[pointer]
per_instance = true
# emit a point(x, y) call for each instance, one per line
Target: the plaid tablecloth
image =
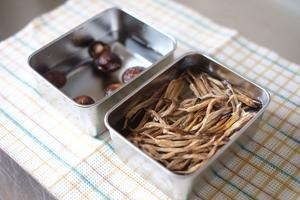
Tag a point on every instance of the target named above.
point(72, 165)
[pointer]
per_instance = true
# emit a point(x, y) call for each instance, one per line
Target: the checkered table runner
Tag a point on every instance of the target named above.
point(72, 165)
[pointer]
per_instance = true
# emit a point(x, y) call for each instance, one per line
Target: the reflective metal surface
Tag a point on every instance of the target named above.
point(136, 42)
point(174, 185)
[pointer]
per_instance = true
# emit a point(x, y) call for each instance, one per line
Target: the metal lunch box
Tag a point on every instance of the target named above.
point(174, 185)
point(136, 42)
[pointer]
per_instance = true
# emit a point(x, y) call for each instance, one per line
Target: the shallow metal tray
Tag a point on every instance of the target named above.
point(174, 185)
point(135, 41)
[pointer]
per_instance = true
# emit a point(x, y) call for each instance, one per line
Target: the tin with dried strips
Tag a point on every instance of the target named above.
point(178, 125)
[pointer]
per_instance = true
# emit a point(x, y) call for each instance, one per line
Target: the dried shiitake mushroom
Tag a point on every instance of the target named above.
point(111, 88)
point(108, 61)
point(97, 48)
point(131, 73)
point(57, 78)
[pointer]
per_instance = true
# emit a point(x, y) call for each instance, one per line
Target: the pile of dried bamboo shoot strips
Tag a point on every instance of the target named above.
point(184, 123)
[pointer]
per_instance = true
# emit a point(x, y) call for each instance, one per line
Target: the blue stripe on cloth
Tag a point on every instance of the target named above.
point(82, 177)
point(269, 163)
point(19, 79)
point(232, 184)
point(23, 43)
point(266, 57)
point(283, 133)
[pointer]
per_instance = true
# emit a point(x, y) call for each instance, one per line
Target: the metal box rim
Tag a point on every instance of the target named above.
point(224, 148)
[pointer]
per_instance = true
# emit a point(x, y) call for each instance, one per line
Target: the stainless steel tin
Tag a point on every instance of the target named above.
point(135, 41)
point(174, 185)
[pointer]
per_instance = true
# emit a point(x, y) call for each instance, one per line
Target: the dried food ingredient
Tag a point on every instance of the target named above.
point(187, 121)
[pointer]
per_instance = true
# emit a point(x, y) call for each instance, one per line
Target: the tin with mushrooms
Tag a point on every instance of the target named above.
point(92, 67)
point(177, 126)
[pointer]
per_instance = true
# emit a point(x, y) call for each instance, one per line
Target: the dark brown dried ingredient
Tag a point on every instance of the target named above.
point(57, 78)
point(97, 48)
point(131, 73)
point(108, 61)
point(84, 100)
point(111, 88)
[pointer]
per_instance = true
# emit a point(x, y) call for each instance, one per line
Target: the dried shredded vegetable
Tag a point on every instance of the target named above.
point(185, 123)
